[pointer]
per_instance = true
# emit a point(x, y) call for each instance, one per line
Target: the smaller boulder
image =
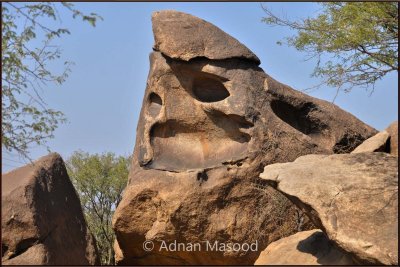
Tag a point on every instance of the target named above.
point(376, 143)
point(304, 248)
point(353, 198)
point(42, 222)
point(393, 131)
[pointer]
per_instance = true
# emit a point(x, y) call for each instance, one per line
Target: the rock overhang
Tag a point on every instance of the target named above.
point(185, 37)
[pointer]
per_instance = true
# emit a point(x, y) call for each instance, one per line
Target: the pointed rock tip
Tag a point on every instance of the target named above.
point(182, 36)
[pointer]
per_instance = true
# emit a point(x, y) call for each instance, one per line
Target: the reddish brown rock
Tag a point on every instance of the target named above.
point(207, 127)
point(42, 220)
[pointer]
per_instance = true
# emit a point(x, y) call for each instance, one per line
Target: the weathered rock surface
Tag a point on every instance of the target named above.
point(352, 197)
point(393, 131)
point(304, 248)
point(182, 36)
point(42, 220)
point(376, 143)
point(208, 125)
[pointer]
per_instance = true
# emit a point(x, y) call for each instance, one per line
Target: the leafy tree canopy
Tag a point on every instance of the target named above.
point(355, 43)
point(99, 181)
point(27, 49)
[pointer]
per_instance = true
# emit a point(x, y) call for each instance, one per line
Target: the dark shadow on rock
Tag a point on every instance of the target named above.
point(326, 252)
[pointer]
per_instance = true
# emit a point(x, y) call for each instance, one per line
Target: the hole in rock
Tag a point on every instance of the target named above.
point(4, 249)
point(202, 177)
point(23, 246)
point(241, 121)
point(179, 145)
point(155, 104)
point(347, 143)
point(207, 89)
point(231, 125)
point(298, 116)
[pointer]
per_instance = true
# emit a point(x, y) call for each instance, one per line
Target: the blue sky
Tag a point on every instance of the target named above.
point(103, 95)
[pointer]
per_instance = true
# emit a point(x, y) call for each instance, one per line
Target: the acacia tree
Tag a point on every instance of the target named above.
point(99, 181)
point(355, 43)
point(26, 118)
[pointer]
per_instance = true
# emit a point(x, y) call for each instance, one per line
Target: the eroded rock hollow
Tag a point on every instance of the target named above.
point(211, 120)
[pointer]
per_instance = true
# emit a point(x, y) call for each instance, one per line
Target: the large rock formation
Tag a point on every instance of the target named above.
point(304, 248)
point(351, 197)
point(42, 221)
point(211, 120)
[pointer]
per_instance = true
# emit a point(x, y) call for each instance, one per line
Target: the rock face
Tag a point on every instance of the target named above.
point(376, 143)
point(42, 220)
point(304, 248)
point(393, 131)
point(211, 120)
point(351, 197)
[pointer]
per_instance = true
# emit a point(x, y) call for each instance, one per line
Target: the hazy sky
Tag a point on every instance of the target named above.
point(103, 95)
